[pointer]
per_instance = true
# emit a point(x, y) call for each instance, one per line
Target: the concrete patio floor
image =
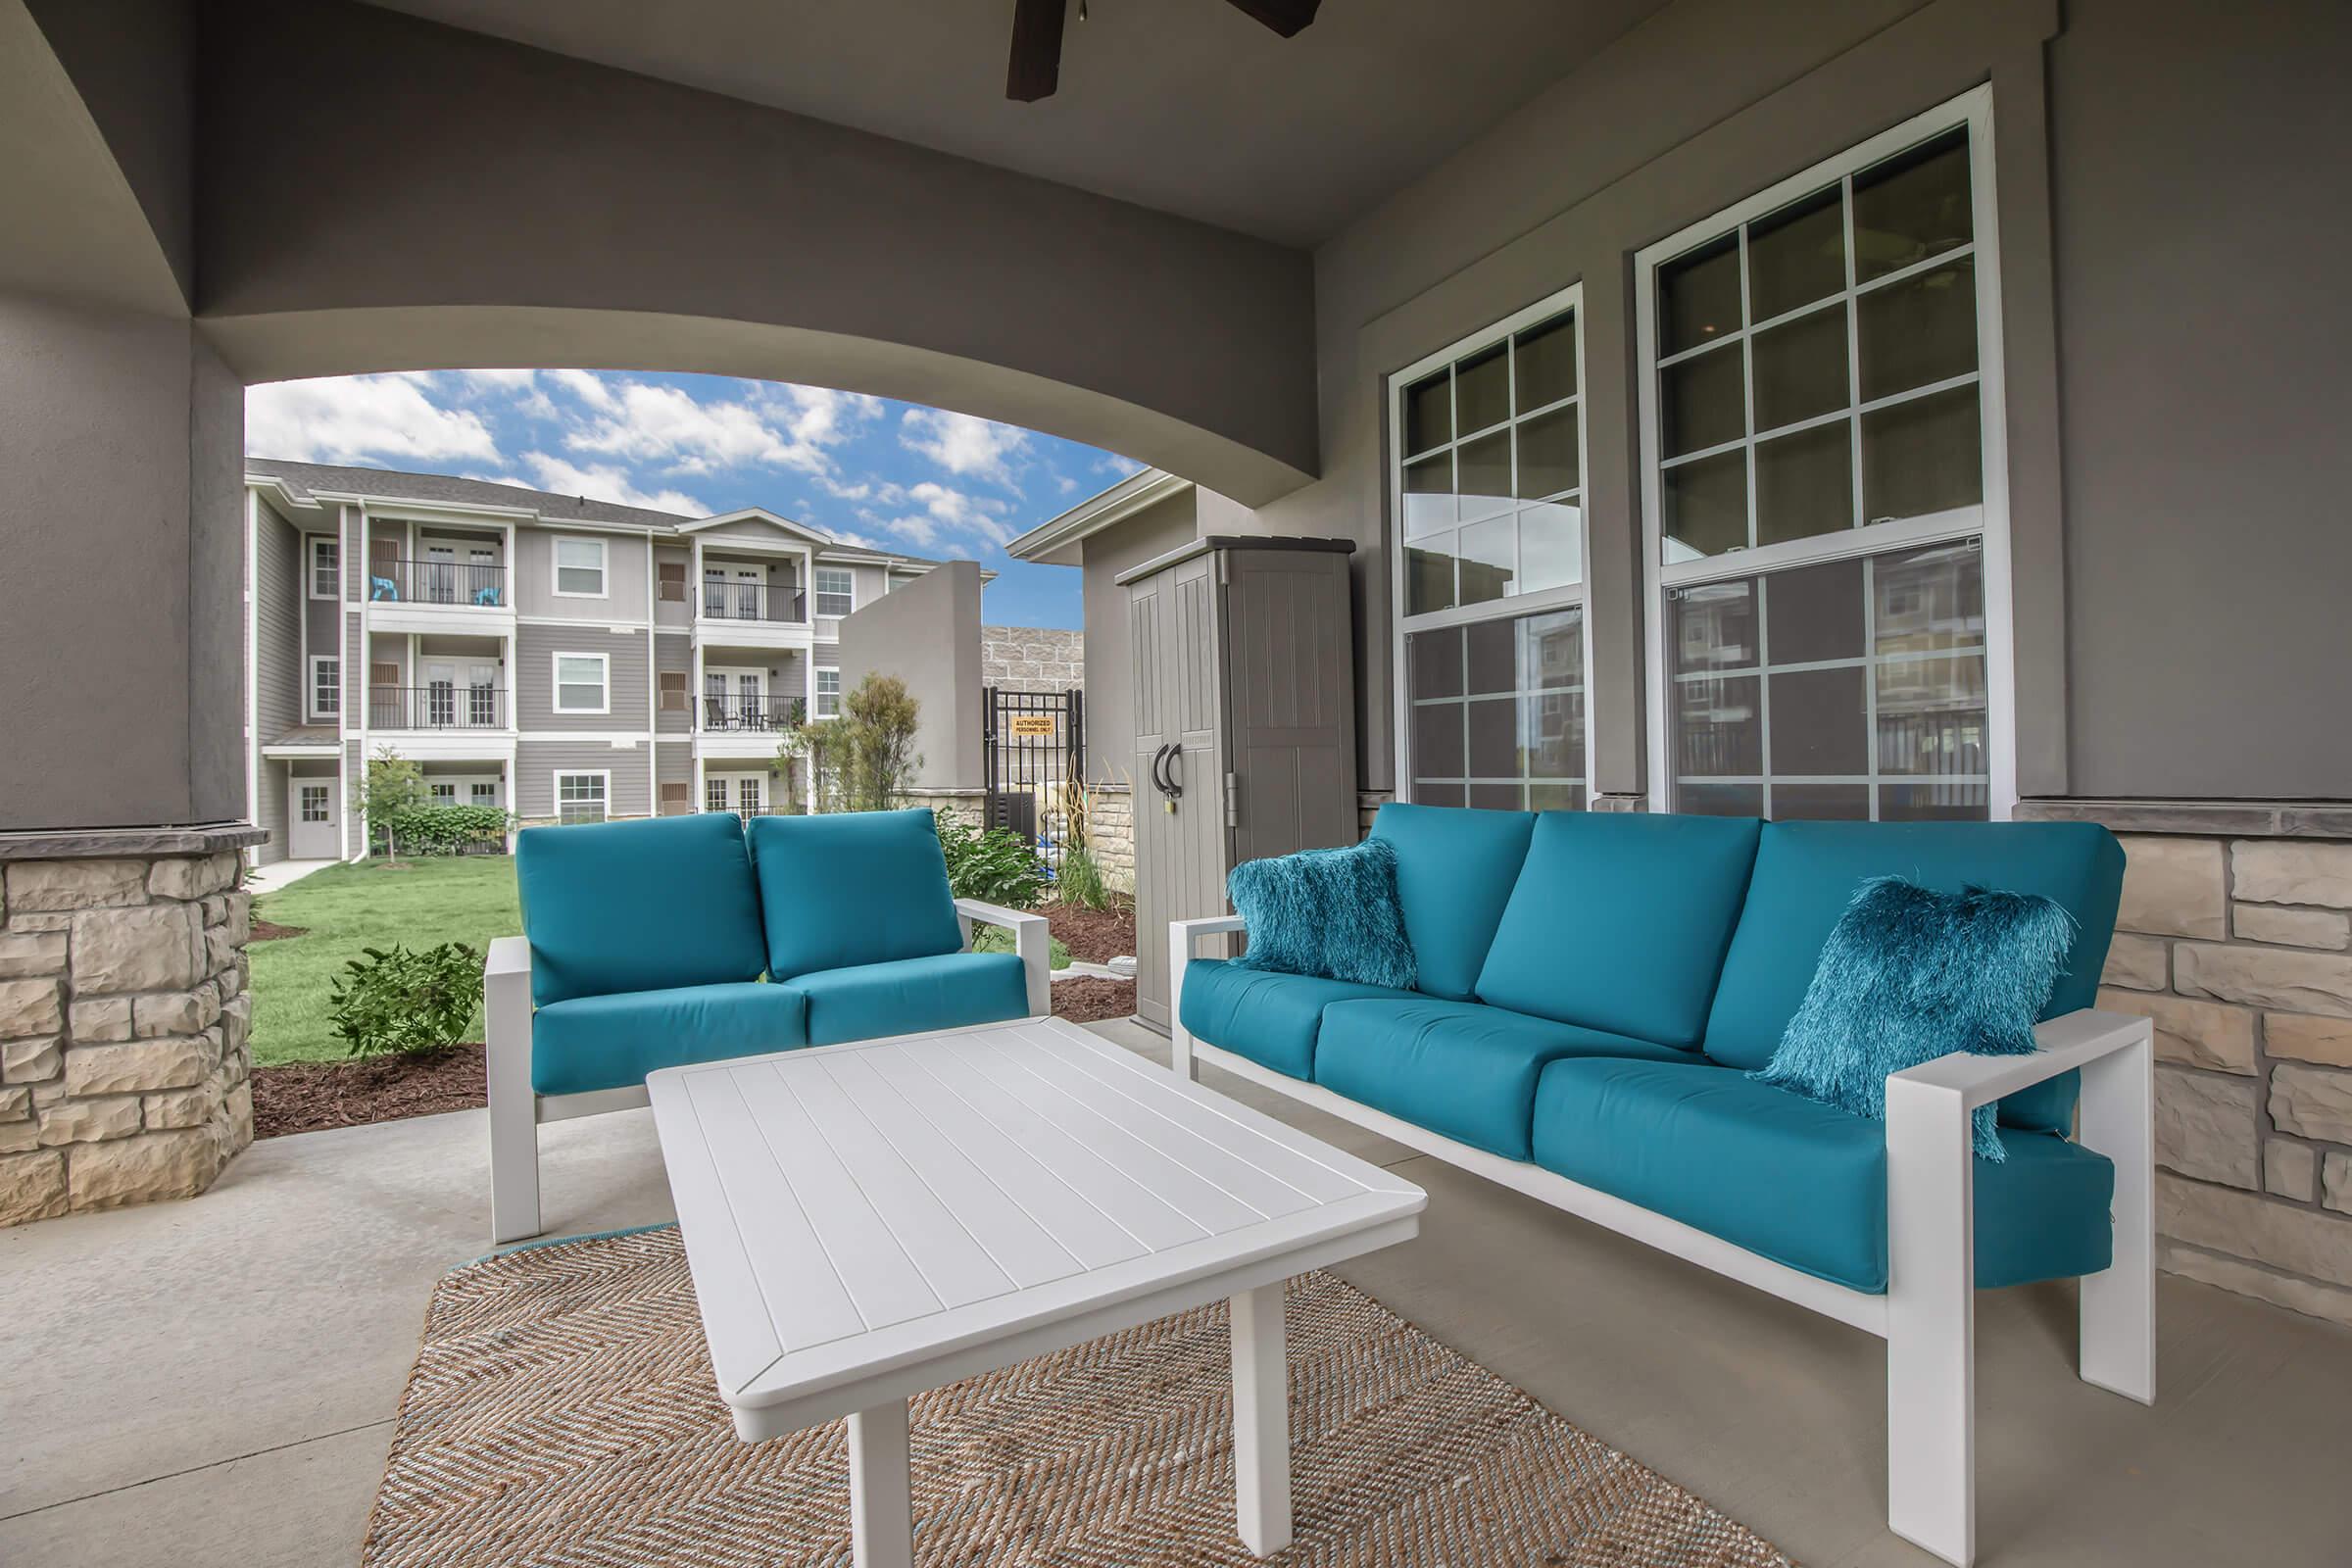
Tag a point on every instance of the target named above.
point(214, 1382)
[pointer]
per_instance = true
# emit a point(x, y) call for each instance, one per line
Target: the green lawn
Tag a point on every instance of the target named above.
point(346, 908)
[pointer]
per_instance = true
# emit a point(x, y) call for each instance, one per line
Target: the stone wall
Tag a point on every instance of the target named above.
point(2240, 951)
point(1111, 834)
point(124, 1025)
point(1032, 659)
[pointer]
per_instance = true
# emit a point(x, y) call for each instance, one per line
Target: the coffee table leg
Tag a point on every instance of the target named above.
point(1261, 1421)
point(881, 1507)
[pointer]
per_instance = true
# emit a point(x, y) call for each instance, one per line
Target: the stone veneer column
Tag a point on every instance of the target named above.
point(1111, 834)
point(2236, 939)
point(123, 1017)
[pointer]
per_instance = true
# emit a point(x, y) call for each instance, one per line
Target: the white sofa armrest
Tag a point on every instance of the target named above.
point(1031, 939)
point(513, 1107)
point(2063, 1043)
point(1184, 941)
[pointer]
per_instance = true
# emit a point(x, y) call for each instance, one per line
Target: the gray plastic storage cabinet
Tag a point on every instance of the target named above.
point(1242, 653)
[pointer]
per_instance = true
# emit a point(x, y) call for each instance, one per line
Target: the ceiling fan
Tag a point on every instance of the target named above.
point(1035, 68)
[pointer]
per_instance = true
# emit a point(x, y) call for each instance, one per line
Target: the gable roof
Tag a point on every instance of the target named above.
point(307, 482)
point(1053, 541)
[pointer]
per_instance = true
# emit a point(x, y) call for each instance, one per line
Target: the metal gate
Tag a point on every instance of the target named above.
point(1035, 746)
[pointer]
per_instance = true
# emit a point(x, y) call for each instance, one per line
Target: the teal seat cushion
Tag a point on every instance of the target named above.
point(908, 996)
point(612, 1041)
point(1807, 872)
point(1454, 870)
point(1270, 1018)
point(851, 887)
point(615, 906)
point(1799, 1182)
point(1619, 922)
point(1455, 1067)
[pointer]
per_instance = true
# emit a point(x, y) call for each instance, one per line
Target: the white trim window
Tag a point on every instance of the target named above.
point(583, 796)
point(583, 684)
point(836, 591)
point(1486, 490)
point(1824, 482)
point(828, 693)
point(327, 686)
point(327, 567)
point(579, 568)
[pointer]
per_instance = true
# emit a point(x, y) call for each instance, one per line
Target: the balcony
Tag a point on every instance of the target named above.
point(441, 706)
point(745, 716)
point(754, 602)
point(439, 596)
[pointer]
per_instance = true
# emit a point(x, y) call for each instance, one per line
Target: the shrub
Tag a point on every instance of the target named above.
point(994, 867)
point(449, 829)
point(1081, 880)
point(861, 759)
point(401, 1001)
point(996, 939)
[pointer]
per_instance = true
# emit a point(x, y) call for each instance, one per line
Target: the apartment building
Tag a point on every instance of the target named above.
point(562, 658)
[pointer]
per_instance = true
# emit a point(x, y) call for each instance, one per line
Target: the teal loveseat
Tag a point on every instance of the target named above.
point(677, 940)
point(1594, 990)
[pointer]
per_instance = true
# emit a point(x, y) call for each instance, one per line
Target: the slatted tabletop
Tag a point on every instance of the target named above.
point(886, 1211)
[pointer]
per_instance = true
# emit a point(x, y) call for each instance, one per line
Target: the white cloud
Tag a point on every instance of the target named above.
point(962, 444)
point(501, 381)
point(781, 427)
point(945, 513)
point(606, 482)
point(1120, 468)
point(586, 385)
point(1068, 483)
point(362, 418)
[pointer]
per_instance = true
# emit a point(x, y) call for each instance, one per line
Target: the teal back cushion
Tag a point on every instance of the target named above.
point(1619, 922)
point(1454, 872)
point(613, 906)
point(851, 887)
point(1808, 872)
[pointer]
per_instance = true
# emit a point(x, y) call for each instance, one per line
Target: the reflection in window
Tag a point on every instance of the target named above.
point(1497, 712)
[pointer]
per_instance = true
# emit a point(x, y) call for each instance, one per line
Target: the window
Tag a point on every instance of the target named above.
point(836, 591)
point(580, 797)
point(1821, 476)
point(445, 793)
point(327, 567)
point(1487, 493)
point(327, 686)
point(317, 800)
point(714, 794)
point(828, 693)
point(580, 569)
point(483, 792)
point(580, 684)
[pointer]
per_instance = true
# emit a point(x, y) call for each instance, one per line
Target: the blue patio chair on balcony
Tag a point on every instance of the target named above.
point(486, 598)
point(382, 588)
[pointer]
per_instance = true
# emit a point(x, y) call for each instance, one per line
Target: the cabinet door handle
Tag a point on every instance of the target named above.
point(1175, 787)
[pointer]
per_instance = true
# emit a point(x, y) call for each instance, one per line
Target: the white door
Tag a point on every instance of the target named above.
point(440, 696)
point(747, 594)
point(481, 697)
point(441, 573)
point(312, 823)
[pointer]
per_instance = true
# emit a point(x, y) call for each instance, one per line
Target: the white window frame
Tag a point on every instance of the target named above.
point(319, 543)
point(821, 695)
point(817, 590)
point(603, 562)
point(309, 696)
point(1570, 595)
point(556, 689)
point(603, 778)
point(1974, 110)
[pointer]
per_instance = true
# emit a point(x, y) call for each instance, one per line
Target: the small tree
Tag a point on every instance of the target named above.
point(394, 785)
point(861, 760)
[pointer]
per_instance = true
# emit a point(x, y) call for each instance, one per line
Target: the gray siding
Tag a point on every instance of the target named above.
point(677, 655)
point(626, 569)
point(277, 673)
point(675, 611)
point(674, 765)
point(355, 779)
point(270, 810)
point(535, 677)
point(319, 617)
point(630, 791)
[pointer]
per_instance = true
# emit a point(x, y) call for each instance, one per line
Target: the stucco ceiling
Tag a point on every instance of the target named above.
point(1187, 106)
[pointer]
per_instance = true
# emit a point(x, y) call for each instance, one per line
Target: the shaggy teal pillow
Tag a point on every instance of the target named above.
point(1910, 974)
point(1330, 913)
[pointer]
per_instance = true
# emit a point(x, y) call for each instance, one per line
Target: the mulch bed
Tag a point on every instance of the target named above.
point(1087, 1000)
point(1092, 936)
point(307, 1097)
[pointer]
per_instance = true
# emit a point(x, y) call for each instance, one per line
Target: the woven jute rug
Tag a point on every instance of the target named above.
point(561, 1412)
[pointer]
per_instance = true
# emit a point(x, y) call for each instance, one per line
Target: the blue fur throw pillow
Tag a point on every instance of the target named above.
point(1330, 913)
point(1910, 974)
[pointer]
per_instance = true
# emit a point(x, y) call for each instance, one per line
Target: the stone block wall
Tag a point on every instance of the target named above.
point(2240, 951)
point(1032, 659)
point(123, 1027)
point(1111, 834)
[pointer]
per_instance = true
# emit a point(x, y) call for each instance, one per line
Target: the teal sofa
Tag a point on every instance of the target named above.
point(677, 940)
point(1594, 990)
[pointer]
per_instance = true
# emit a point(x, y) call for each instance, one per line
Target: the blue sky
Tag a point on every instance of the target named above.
point(897, 475)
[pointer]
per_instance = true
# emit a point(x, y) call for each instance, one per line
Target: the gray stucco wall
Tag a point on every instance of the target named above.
point(1109, 674)
point(928, 635)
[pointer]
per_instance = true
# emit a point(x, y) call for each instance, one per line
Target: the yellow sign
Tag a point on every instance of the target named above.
point(1030, 725)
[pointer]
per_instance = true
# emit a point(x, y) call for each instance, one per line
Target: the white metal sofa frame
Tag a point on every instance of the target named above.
point(1927, 1313)
point(517, 1109)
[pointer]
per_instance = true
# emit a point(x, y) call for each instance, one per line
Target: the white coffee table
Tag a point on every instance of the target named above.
point(868, 1221)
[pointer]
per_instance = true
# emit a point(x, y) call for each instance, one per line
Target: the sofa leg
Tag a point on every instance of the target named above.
point(2119, 1302)
point(1931, 1321)
point(513, 1110)
point(1180, 1039)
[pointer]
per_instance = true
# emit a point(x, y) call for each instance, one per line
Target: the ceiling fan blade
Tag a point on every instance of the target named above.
point(1286, 17)
point(1035, 68)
